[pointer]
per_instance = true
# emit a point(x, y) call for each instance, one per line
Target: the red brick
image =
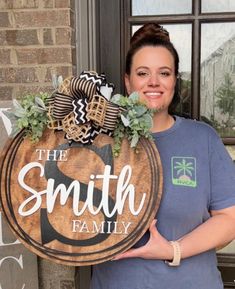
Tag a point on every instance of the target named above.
point(5, 56)
point(4, 19)
point(20, 37)
point(3, 37)
point(55, 55)
point(47, 4)
point(64, 36)
point(6, 4)
point(63, 3)
point(18, 75)
point(47, 37)
point(6, 92)
point(50, 18)
point(25, 4)
point(16, 4)
point(27, 56)
point(44, 55)
point(32, 88)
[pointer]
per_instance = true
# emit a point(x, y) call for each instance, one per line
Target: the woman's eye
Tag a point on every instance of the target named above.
point(165, 73)
point(142, 73)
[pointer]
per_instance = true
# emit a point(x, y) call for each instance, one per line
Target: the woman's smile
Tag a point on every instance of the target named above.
point(153, 94)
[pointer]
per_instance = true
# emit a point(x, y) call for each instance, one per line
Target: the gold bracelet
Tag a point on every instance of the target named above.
point(177, 254)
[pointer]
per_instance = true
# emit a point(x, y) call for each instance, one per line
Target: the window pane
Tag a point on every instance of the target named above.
point(218, 76)
point(229, 249)
point(181, 35)
point(161, 7)
point(218, 6)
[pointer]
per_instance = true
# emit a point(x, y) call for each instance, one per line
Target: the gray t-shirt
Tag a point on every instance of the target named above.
point(199, 176)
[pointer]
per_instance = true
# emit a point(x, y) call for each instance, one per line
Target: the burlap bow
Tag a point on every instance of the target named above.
point(82, 109)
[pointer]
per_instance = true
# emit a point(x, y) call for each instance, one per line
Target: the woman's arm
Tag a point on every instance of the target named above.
point(215, 232)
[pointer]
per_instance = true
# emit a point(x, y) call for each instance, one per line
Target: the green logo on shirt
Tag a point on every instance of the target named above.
point(184, 171)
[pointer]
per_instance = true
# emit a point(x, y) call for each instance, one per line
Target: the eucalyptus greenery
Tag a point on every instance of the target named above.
point(29, 113)
point(56, 81)
point(135, 121)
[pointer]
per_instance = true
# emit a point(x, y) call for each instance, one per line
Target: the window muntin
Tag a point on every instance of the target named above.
point(161, 7)
point(217, 90)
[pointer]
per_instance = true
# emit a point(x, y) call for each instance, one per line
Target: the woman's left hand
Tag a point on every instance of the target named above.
point(156, 248)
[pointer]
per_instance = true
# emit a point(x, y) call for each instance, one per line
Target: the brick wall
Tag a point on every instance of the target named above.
point(36, 41)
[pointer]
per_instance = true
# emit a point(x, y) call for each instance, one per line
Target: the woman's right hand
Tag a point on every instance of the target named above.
point(156, 248)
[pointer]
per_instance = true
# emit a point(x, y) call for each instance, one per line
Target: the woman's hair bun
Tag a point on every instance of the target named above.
point(148, 31)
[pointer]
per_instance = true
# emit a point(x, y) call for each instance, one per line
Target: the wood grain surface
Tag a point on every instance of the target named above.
point(61, 235)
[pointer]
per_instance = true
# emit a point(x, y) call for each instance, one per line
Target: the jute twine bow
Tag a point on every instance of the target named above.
point(81, 107)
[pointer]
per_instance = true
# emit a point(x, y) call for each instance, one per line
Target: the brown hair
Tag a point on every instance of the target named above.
point(150, 34)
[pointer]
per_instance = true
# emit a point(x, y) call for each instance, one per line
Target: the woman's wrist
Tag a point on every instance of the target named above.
point(175, 261)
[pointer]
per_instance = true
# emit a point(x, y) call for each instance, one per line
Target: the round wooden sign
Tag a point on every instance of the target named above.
point(77, 204)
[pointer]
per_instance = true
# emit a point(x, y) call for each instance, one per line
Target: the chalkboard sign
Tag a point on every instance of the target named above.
point(77, 204)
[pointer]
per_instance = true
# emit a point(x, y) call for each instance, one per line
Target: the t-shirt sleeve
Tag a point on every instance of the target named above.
point(222, 172)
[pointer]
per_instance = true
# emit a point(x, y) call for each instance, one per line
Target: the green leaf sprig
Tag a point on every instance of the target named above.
point(29, 113)
point(135, 121)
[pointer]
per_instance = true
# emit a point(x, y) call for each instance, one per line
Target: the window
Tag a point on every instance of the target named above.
point(210, 6)
point(166, 7)
point(203, 32)
point(217, 94)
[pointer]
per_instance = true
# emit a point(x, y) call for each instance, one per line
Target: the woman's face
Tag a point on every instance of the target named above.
point(153, 77)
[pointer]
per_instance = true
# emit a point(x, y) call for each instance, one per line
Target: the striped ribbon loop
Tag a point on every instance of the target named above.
point(81, 88)
point(83, 107)
point(93, 76)
point(80, 110)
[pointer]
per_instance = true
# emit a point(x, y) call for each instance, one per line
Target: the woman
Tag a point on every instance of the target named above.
point(197, 211)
